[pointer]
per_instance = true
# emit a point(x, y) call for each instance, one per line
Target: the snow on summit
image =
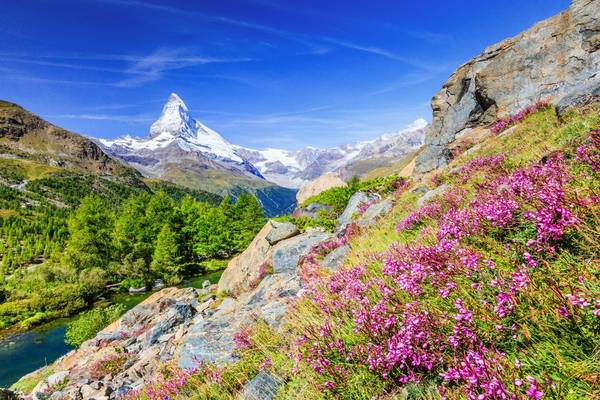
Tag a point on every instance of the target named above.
point(175, 128)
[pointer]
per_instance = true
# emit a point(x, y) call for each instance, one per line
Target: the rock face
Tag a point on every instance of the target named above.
point(374, 212)
point(319, 185)
point(286, 255)
point(244, 269)
point(555, 60)
point(144, 338)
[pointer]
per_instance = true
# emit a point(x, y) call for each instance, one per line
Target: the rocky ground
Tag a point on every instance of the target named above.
point(191, 326)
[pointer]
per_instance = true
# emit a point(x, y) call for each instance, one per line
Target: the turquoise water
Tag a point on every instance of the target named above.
point(25, 352)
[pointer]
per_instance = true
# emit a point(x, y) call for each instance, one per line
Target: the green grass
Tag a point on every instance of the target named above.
point(28, 383)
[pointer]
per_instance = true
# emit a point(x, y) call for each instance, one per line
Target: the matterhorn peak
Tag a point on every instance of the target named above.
point(174, 120)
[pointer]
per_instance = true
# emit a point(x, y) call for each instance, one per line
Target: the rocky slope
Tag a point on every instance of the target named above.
point(556, 60)
point(189, 327)
point(26, 137)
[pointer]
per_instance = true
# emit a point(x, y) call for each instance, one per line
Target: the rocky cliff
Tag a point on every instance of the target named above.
point(557, 60)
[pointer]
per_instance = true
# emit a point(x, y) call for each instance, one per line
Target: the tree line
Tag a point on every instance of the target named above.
point(147, 236)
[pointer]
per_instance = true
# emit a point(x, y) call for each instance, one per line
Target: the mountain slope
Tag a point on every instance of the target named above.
point(295, 168)
point(25, 136)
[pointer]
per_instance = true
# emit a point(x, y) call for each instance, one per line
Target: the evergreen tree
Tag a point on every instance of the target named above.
point(159, 212)
point(249, 219)
point(90, 243)
point(166, 262)
point(132, 234)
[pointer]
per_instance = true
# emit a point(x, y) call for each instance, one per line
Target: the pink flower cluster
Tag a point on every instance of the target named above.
point(399, 336)
point(168, 388)
point(590, 153)
point(309, 270)
point(263, 270)
point(243, 339)
point(365, 206)
point(504, 123)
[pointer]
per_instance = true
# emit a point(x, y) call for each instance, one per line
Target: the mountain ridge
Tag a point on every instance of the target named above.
point(287, 168)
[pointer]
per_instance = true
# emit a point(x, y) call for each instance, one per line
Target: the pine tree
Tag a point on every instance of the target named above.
point(159, 211)
point(132, 234)
point(90, 243)
point(249, 219)
point(166, 262)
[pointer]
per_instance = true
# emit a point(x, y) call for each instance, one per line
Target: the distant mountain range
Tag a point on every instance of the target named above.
point(185, 151)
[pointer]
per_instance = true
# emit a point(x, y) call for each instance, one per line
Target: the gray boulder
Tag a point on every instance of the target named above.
point(176, 315)
point(312, 210)
point(263, 386)
point(352, 207)
point(335, 258)
point(210, 340)
point(281, 231)
point(374, 212)
point(287, 254)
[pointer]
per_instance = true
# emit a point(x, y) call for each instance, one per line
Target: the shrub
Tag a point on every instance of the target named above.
point(109, 365)
point(89, 323)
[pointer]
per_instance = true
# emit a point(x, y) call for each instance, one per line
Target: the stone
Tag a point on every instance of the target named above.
point(205, 284)
point(352, 207)
point(158, 284)
point(286, 254)
point(335, 258)
point(175, 316)
point(263, 386)
point(318, 186)
point(311, 211)
point(227, 305)
point(281, 231)
point(210, 340)
point(142, 289)
point(374, 212)
point(57, 378)
point(244, 269)
point(556, 60)
point(431, 194)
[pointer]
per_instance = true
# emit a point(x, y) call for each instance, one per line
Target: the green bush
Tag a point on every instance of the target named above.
point(91, 322)
point(338, 197)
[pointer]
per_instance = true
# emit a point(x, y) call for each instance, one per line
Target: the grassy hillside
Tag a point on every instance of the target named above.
point(276, 200)
point(490, 290)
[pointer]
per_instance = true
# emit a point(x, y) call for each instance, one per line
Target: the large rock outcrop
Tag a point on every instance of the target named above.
point(319, 185)
point(556, 60)
point(244, 269)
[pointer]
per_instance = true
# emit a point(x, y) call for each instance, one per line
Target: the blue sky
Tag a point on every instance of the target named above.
point(263, 73)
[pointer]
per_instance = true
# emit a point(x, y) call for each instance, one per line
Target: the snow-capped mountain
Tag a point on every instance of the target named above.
point(183, 150)
point(295, 168)
point(175, 132)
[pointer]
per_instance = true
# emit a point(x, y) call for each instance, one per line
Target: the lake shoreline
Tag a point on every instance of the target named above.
point(29, 358)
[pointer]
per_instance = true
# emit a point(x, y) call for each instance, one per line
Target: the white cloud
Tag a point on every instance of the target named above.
point(104, 117)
